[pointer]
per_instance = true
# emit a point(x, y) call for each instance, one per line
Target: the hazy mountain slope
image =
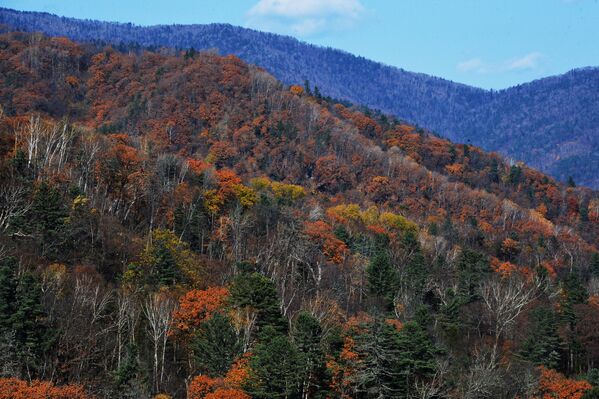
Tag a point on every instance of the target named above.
point(549, 123)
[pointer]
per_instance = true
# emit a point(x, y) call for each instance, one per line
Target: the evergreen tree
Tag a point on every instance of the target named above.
point(574, 294)
point(127, 381)
point(594, 267)
point(417, 355)
point(47, 214)
point(584, 213)
point(376, 375)
point(543, 345)
point(382, 277)
point(392, 361)
point(307, 336)
point(452, 153)
point(190, 53)
point(575, 291)
point(275, 367)
point(449, 316)
point(307, 87)
point(28, 324)
point(166, 271)
point(466, 149)
point(592, 393)
point(317, 92)
point(416, 270)
point(494, 172)
point(8, 292)
point(128, 367)
point(342, 234)
point(571, 182)
point(592, 376)
point(259, 293)
point(215, 346)
point(515, 174)
point(192, 228)
point(472, 267)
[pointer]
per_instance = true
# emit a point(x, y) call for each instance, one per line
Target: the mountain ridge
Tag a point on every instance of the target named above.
point(561, 136)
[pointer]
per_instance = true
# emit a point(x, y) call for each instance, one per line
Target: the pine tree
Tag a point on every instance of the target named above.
point(275, 367)
point(594, 267)
point(307, 87)
point(46, 218)
point(592, 393)
point(571, 182)
point(472, 267)
point(543, 346)
point(127, 380)
point(416, 270)
point(575, 291)
point(28, 323)
point(215, 346)
point(376, 375)
point(515, 174)
point(382, 277)
point(8, 292)
point(575, 294)
point(259, 293)
point(307, 336)
point(417, 359)
point(165, 267)
point(392, 361)
point(128, 367)
point(494, 172)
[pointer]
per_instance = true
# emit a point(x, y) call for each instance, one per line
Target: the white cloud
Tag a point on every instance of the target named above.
point(308, 26)
point(529, 61)
point(304, 17)
point(477, 65)
point(307, 8)
point(473, 64)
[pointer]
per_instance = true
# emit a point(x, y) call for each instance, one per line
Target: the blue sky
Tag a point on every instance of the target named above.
point(490, 44)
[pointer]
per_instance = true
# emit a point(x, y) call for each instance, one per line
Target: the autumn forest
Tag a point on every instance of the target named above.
point(180, 224)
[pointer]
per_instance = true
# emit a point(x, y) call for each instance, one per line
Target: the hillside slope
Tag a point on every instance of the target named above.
point(188, 225)
point(550, 123)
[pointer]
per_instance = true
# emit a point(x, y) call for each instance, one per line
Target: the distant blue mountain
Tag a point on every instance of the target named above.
point(551, 124)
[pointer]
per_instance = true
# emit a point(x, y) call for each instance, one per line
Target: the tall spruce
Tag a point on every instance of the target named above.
point(307, 336)
point(275, 367)
point(257, 292)
point(382, 277)
point(31, 333)
point(543, 344)
point(8, 293)
point(215, 346)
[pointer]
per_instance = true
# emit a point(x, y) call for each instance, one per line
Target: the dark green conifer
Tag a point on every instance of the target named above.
point(215, 346)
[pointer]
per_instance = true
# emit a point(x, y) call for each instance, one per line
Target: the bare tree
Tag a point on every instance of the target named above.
point(158, 309)
point(484, 378)
point(47, 145)
point(506, 297)
point(435, 387)
point(12, 205)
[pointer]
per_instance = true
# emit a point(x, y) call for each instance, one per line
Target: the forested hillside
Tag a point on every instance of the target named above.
point(181, 224)
point(551, 124)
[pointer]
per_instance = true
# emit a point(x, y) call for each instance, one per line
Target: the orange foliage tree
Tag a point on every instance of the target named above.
point(13, 388)
point(553, 385)
point(332, 247)
point(197, 306)
point(204, 387)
